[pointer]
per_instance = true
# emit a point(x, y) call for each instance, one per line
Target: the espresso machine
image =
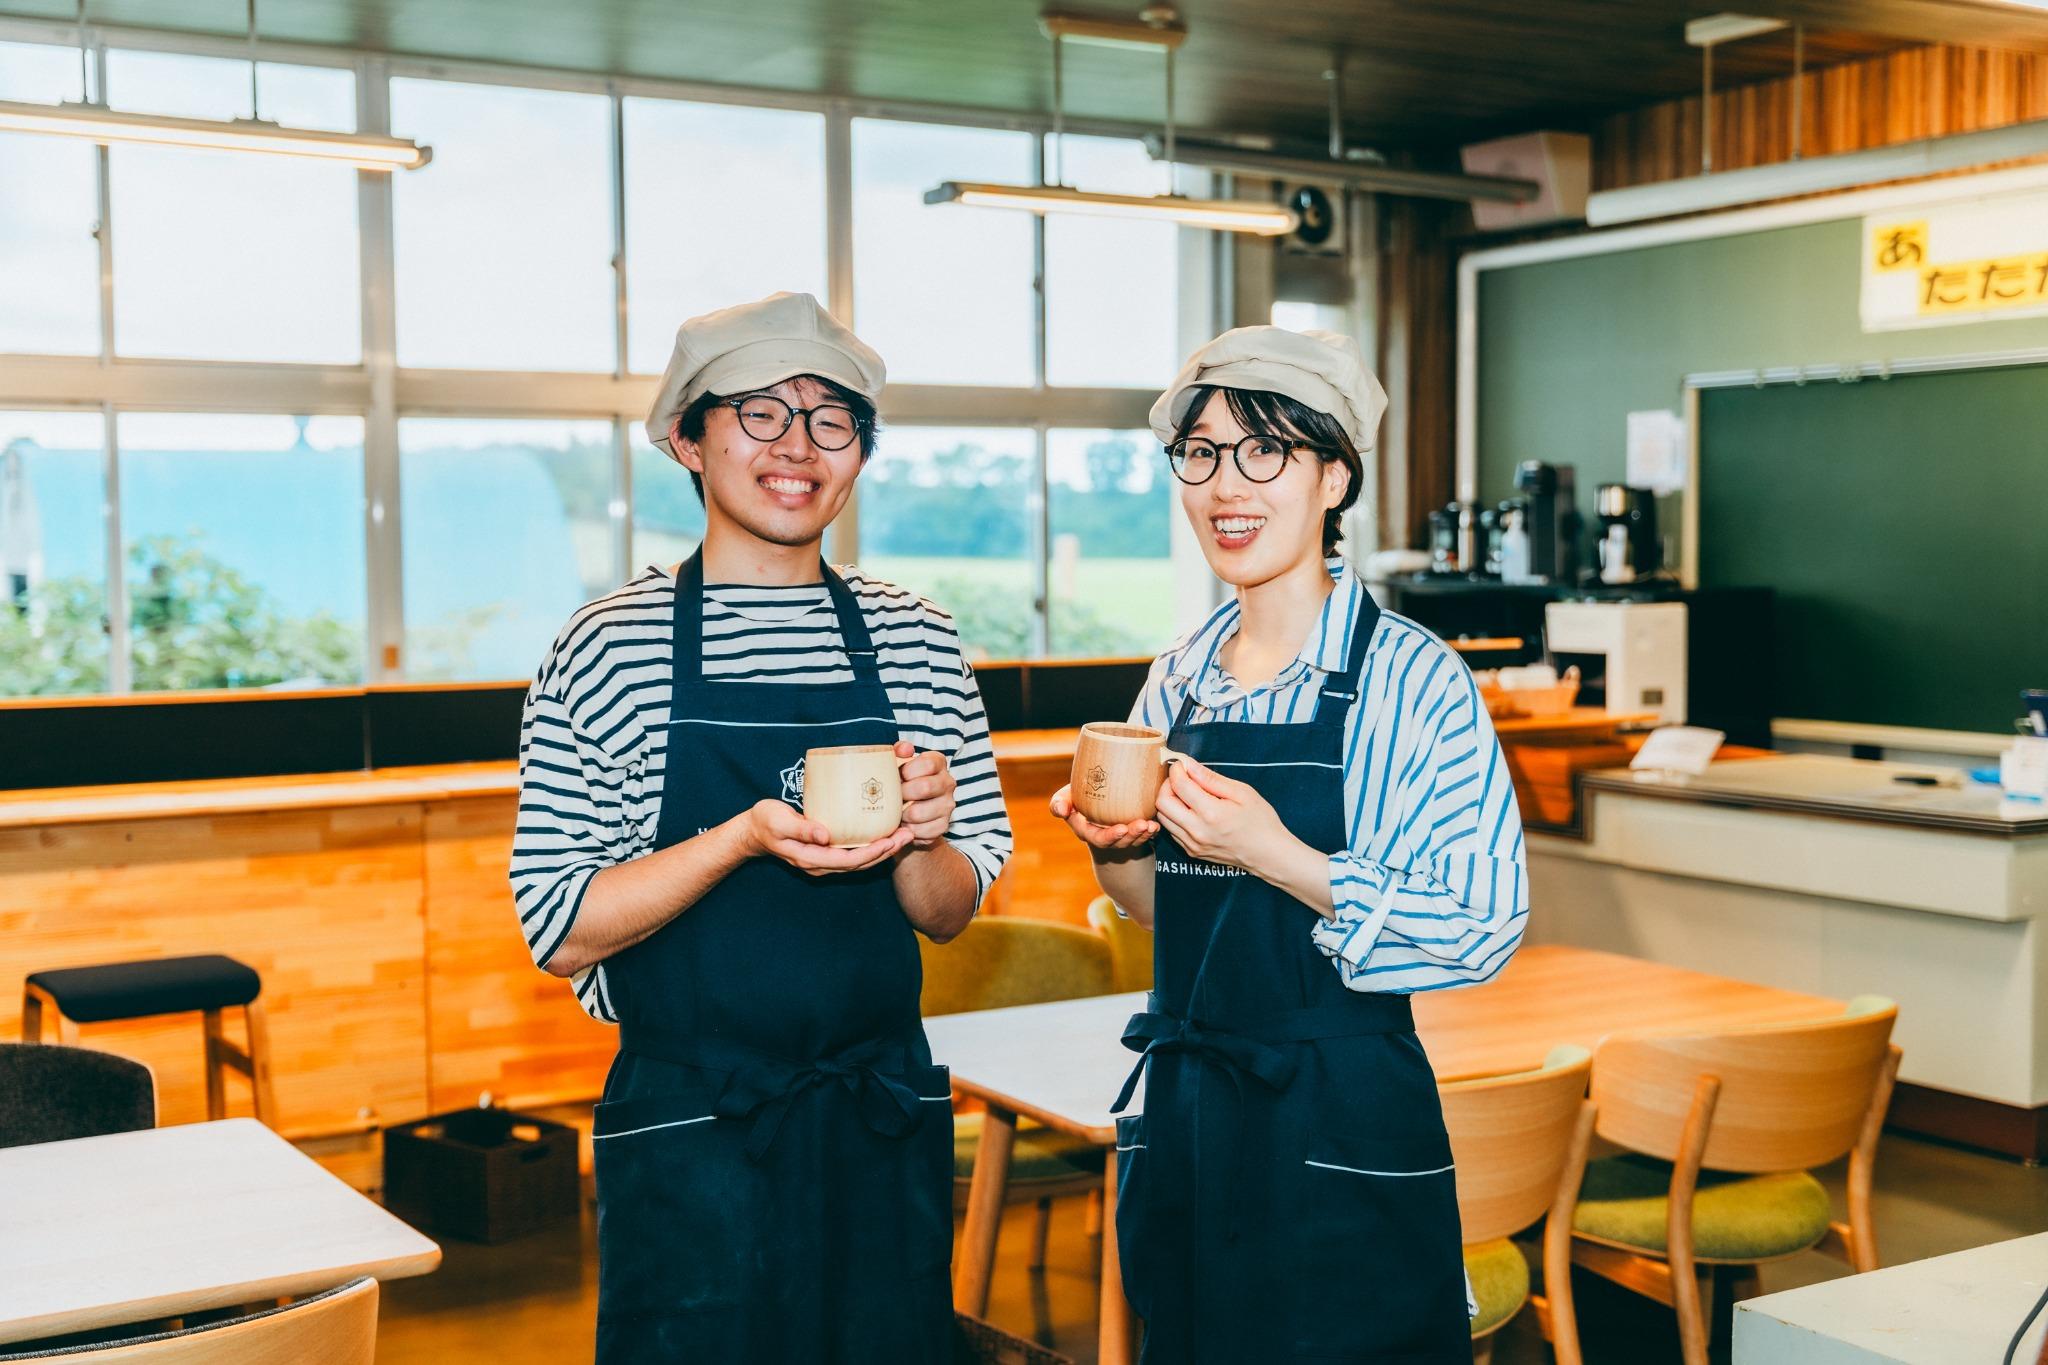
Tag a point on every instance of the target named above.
point(1549, 495)
point(1630, 549)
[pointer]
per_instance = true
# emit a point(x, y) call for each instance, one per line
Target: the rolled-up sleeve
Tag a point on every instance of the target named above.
point(1433, 893)
point(569, 825)
point(958, 725)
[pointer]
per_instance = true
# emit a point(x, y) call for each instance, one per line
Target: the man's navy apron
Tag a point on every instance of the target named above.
point(775, 1149)
point(1287, 1193)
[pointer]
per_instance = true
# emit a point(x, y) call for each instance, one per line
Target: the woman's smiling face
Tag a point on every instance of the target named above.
point(1252, 532)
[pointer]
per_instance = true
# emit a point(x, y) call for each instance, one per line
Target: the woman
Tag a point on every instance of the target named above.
point(1341, 835)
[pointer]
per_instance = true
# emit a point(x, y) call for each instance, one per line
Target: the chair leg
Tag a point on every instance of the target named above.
point(216, 1090)
point(1482, 1350)
point(258, 1025)
point(1093, 1223)
point(1041, 1229)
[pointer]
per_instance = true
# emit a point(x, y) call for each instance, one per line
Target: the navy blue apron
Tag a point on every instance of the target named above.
point(1287, 1193)
point(775, 1149)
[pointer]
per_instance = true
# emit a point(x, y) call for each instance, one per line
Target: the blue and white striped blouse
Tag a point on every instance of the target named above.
point(1431, 891)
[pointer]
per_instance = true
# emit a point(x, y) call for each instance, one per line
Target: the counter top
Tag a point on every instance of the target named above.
point(1844, 788)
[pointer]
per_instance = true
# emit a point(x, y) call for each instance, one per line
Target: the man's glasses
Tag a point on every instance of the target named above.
point(765, 417)
point(1259, 458)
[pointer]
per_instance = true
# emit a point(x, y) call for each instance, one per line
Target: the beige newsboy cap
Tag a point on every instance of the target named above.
point(753, 345)
point(1321, 369)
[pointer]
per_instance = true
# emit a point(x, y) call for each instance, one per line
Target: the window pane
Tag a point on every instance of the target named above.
point(507, 530)
point(49, 262)
point(946, 512)
point(1112, 286)
point(233, 255)
point(504, 239)
point(53, 566)
point(244, 542)
point(1111, 514)
point(767, 165)
point(668, 517)
point(943, 292)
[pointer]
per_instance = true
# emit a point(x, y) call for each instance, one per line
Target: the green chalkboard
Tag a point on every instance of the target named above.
point(1904, 523)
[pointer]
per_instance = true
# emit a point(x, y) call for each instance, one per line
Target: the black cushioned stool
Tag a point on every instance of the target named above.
point(207, 984)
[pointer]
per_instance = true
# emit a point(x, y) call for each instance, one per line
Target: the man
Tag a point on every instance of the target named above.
point(774, 1149)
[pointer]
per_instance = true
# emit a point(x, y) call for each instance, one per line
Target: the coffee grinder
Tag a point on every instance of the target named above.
point(1629, 546)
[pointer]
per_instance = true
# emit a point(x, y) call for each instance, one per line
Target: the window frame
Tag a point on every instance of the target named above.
point(381, 392)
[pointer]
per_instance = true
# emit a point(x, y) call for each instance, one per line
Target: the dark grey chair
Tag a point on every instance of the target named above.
point(49, 1093)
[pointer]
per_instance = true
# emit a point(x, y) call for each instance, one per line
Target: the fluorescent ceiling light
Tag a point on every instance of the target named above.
point(1364, 175)
point(1228, 215)
point(97, 123)
point(1716, 29)
point(1816, 174)
point(1166, 32)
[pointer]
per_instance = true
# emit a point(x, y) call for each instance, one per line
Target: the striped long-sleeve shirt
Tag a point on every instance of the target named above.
point(1430, 891)
point(593, 751)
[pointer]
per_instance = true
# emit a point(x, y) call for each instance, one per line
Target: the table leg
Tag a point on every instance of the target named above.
point(985, 1193)
point(1117, 1346)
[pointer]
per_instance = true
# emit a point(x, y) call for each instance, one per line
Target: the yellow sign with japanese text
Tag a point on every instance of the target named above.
point(1965, 262)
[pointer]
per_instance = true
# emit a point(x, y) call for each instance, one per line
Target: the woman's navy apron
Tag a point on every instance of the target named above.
point(1287, 1193)
point(775, 1149)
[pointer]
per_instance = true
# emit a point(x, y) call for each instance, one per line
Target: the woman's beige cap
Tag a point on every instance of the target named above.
point(754, 345)
point(1320, 369)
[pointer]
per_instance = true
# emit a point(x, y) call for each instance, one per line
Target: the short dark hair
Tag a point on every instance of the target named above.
point(692, 418)
point(1262, 410)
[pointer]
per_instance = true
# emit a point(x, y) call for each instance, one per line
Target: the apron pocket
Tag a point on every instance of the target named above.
point(677, 1201)
point(1379, 1215)
point(1133, 1205)
point(929, 1173)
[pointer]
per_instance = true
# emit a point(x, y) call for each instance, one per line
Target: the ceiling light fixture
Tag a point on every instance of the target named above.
point(1361, 175)
point(1158, 30)
point(95, 122)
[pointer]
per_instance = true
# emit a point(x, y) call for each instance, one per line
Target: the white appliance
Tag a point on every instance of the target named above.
point(1630, 655)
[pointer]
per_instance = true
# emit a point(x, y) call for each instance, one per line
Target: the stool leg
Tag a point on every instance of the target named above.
point(216, 1092)
point(258, 1025)
point(31, 1015)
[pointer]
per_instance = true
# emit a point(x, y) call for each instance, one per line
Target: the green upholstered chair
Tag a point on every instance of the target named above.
point(1006, 960)
point(1520, 1144)
point(1130, 946)
point(1719, 1131)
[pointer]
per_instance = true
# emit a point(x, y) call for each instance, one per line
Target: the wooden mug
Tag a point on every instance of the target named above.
point(1117, 772)
point(854, 791)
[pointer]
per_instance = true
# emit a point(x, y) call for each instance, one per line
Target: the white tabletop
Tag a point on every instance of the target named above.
point(107, 1230)
point(1061, 1063)
point(1940, 1311)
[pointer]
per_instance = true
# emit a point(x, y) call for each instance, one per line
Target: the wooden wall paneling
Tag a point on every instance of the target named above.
point(1049, 875)
point(494, 1021)
point(325, 904)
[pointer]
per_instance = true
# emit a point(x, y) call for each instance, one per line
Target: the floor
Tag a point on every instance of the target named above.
point(535, 1299)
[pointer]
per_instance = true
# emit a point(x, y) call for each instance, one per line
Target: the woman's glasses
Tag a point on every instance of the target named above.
point(1260, 458)
point(765, 417)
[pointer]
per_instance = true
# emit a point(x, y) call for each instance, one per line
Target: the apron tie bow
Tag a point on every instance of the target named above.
point(764, 1091)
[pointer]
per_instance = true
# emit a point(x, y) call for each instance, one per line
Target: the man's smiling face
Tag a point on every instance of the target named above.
point(784, 491)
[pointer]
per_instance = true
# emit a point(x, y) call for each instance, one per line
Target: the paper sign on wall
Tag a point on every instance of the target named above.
point(1656, 451)
point(1970, 261)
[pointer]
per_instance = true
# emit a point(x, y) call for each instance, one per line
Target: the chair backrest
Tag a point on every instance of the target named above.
point(1012, 960)
point(1512, 1137)
point(338, 1327)
point(49, 1093)
point(1130, 946)
point(1791, 1095)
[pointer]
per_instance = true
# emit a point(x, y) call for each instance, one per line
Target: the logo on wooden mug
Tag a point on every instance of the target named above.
point(1097, 780)
point(871, 795)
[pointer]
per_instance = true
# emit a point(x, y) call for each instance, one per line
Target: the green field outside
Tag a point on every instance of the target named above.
point(1117, 606)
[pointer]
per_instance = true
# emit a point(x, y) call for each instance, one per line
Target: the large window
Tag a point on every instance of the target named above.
point(1111, 510)
point(944, 293)
point(49, 262)
point(723, 205)
point(243, 542)
point(1112, 285)
point(225, 255)
point(668, 517)
point(504, 239)
point(508, 529)
point(947, 513)
point(53, 565)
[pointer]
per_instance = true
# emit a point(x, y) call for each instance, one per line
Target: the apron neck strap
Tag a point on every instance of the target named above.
point(1340, 690)
point(689, 622)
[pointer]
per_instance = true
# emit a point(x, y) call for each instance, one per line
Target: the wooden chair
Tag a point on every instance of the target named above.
point(1719, 1130)
point(50, 1094)
point(1004, 960)
point(1130, 946)
point(1520, 1142)
point(338, 1327)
